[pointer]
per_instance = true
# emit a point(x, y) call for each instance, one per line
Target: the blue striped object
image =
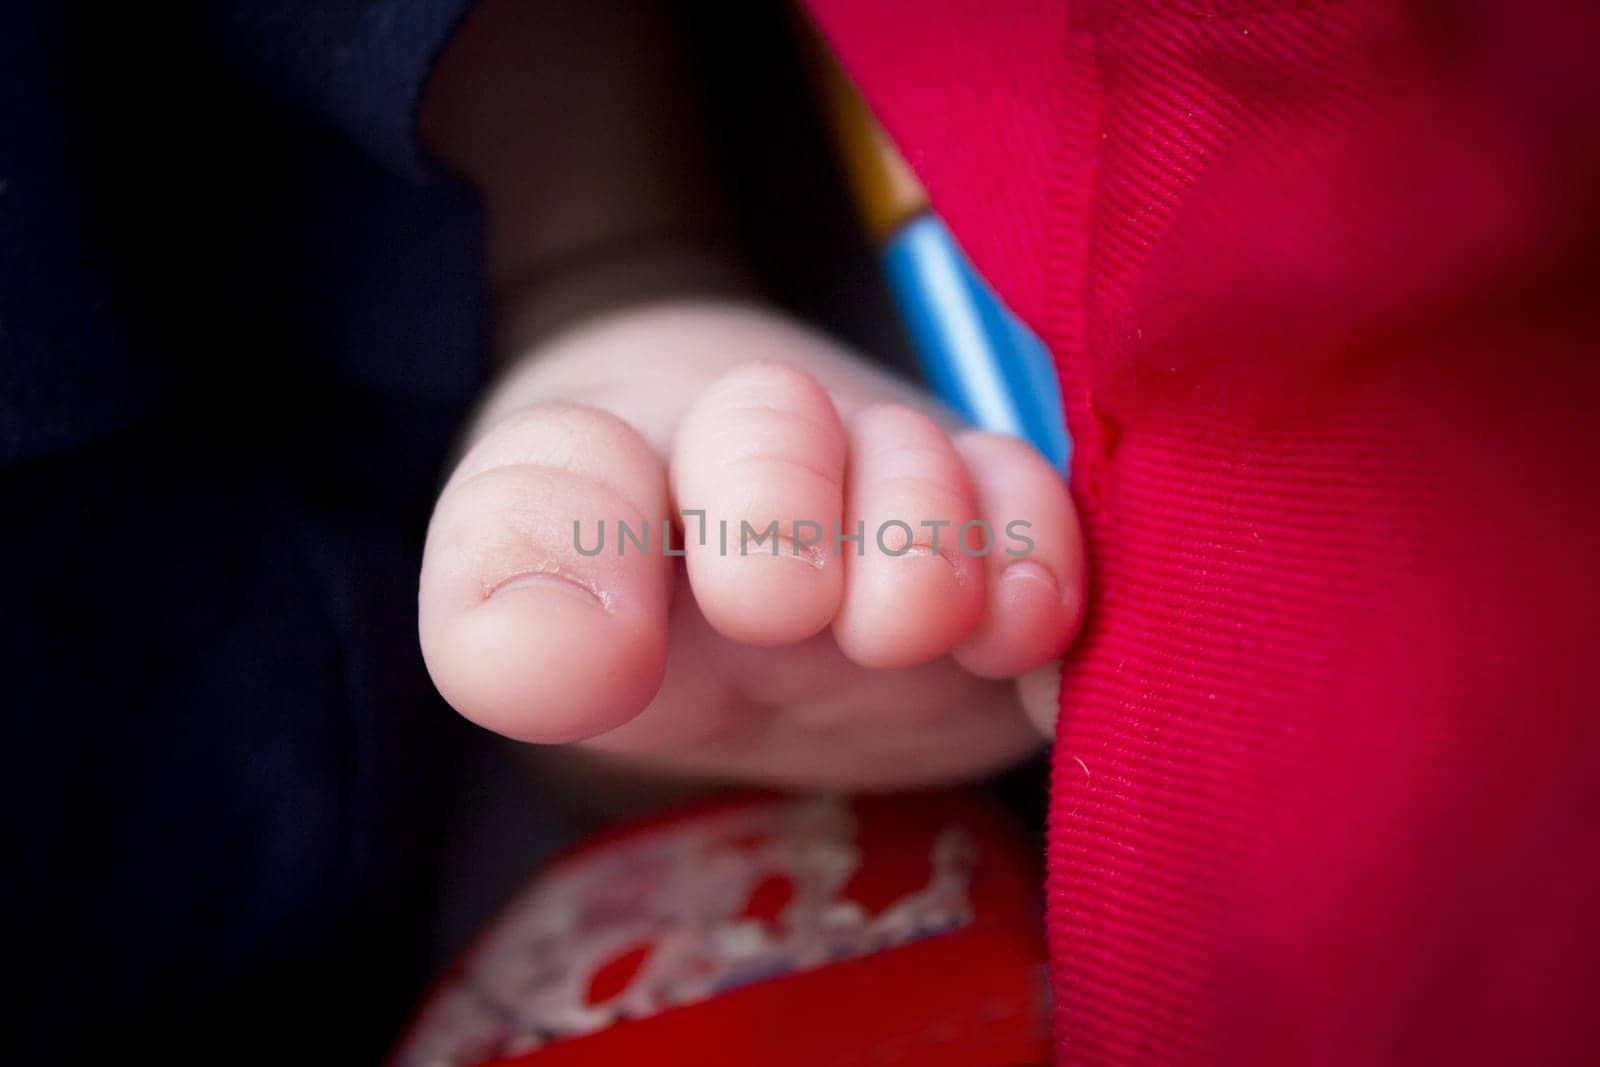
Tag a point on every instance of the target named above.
point(977, 356)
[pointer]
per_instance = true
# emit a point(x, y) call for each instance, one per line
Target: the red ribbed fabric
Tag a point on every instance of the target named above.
point(1319, 278)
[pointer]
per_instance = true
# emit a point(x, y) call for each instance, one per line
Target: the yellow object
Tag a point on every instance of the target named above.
point(886, 192)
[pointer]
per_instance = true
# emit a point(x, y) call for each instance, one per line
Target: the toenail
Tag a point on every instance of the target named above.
point(556, 579)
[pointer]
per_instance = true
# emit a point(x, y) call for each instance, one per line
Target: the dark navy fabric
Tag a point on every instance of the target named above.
point(240, 321)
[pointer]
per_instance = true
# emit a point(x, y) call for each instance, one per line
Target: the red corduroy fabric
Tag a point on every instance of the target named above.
point(1319, 278)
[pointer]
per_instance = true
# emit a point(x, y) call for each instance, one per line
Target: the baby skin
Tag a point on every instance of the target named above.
point(922, 652)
